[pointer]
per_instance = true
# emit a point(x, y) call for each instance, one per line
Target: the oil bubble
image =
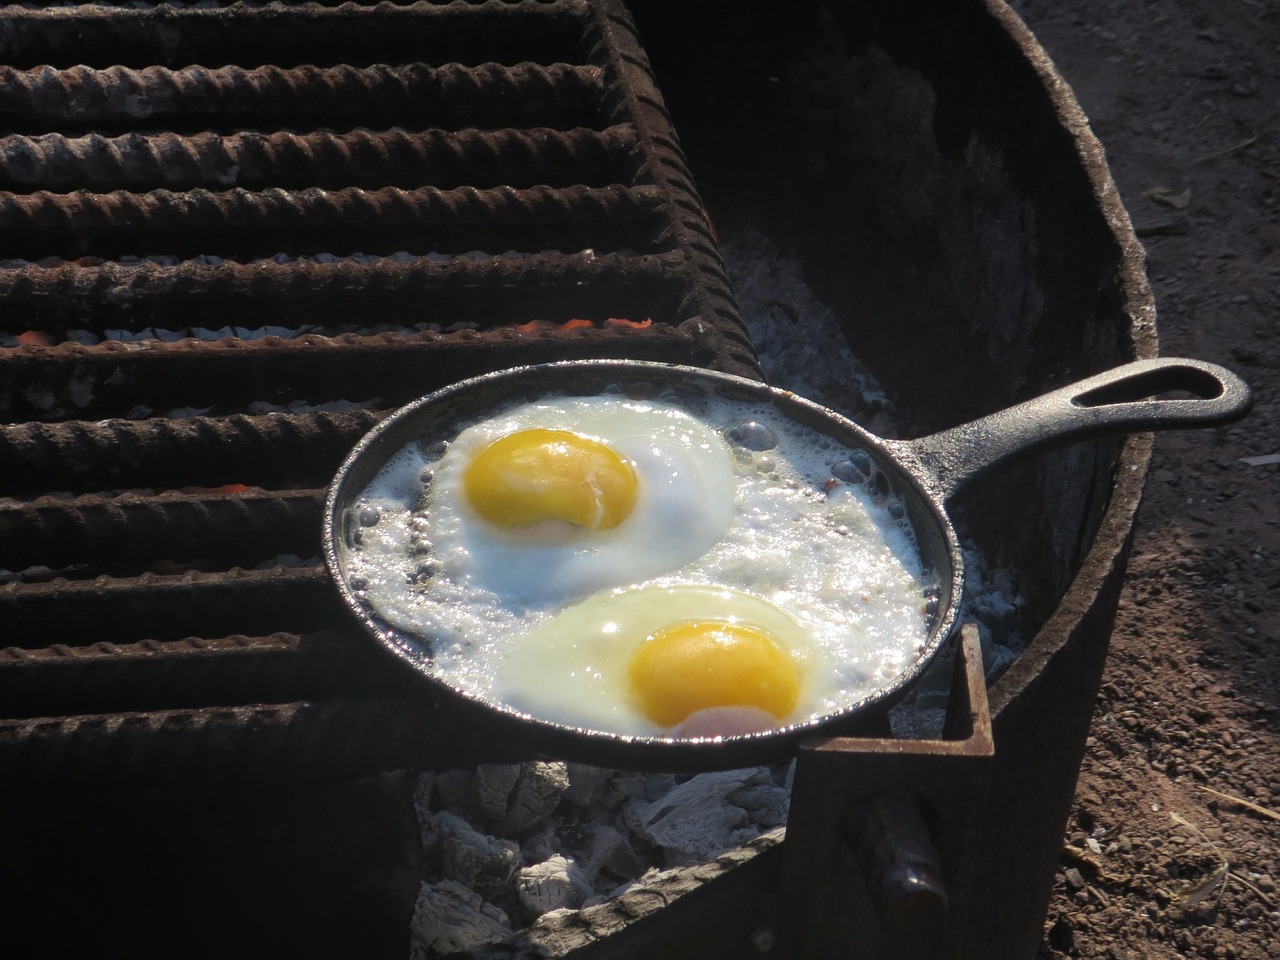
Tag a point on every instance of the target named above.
point(878, 486)
point(753, 435)
point(856, 468)
point(369, 517)
point(434, 450)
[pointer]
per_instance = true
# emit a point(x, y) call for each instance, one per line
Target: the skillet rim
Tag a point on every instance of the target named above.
point(567, 377)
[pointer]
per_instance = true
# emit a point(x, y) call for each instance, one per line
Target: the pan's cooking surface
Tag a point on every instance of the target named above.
point(234, 237)
point(852, 579)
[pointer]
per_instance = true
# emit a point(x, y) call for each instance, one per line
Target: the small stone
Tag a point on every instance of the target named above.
point(1073, 878)
point(554, 884)
point(766, 804)
point(453, 790)
point(609, 853)
point(449, 918)
point(586, 782)
point(493, 784)
point(694, 822)
point(473, 858)
point(537, 793)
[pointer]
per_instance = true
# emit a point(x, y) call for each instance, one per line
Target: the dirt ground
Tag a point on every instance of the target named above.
point(1173, 849)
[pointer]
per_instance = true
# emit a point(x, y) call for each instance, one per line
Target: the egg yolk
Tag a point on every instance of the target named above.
point(535, 475)
point(700, 664)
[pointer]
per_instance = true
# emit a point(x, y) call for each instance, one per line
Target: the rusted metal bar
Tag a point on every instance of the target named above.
point(343, 293)
point(361, 158)
point(709, 307)
point(125, 610)
point(192, 672)
point(292, 34)
point(119, 533)
point(275, 450)
point(910, 812)
point(193, 98)
point(262, 743)
point(60, 382)
point(265, 223)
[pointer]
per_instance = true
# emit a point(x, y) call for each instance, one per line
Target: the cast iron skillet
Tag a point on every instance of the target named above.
point(924, 474)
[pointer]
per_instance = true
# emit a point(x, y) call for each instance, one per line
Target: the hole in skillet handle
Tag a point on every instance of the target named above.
point(1159, 393)
point(1165, 383)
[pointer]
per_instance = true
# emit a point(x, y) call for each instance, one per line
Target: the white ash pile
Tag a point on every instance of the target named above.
point(507, 844)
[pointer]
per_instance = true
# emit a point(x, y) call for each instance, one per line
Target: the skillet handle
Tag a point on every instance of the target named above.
point(1125, 399)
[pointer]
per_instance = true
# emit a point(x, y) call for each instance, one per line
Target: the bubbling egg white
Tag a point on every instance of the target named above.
point(575, 666)
point(738, 508)
point(683, 504)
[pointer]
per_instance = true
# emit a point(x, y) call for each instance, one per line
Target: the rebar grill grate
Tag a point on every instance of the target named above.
point(233, 237)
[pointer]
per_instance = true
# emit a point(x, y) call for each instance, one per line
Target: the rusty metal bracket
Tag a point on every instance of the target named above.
point(882, 833)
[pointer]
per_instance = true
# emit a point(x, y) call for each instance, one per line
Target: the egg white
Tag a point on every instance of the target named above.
point(573, 667)
point(683, 505)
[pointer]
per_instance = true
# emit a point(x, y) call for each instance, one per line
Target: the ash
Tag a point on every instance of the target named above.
point(530, 845)
point(542, 851)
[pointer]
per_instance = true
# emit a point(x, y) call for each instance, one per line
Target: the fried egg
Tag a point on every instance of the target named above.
point(554, 500)
point(651, 660)
point(645, 567)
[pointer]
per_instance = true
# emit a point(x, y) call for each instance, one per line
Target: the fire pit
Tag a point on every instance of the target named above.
point(219, 275)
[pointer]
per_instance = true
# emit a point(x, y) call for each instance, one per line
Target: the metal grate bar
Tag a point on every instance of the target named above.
point(248, 224)
point(292, 35)
point(361, 158)
point(120, 533)
point(126, 609)
point(55, 383)
point(709, 304)
point(344, 737)
point(312, 294)
point(273, 450)
point(116, 99)
point(192, 671)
